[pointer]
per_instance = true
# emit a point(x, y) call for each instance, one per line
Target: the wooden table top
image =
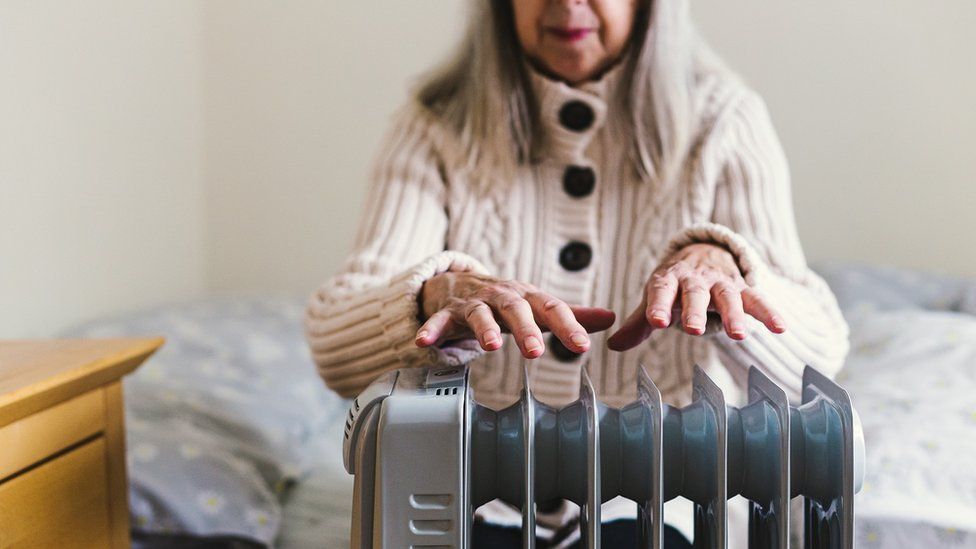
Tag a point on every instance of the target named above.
point(36, 374)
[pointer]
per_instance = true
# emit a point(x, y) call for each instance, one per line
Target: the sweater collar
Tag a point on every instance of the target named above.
point(571, 115)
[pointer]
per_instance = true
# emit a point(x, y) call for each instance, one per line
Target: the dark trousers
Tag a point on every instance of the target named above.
point(618, 534)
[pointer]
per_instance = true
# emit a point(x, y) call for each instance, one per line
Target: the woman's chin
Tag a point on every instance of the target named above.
point(571, 62)
point(574, 71)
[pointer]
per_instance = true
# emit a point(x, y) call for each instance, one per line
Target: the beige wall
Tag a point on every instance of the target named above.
point(873, 101)
point(101, 181)
point(298, 95)
point(155, 151)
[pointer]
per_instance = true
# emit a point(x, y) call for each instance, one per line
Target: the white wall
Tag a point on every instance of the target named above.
point(101, 181)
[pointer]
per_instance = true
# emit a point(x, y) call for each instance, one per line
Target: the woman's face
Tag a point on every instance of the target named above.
point(574, 40)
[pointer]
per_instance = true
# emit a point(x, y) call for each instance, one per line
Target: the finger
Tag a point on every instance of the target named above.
point(481, 321)
point(756, 305)
point(593, 319)
point(560, 319)
point(694, 304)
point(516, 313)
point(633, 331)
point(728, 301)
point(436, 326)
point(662, 291)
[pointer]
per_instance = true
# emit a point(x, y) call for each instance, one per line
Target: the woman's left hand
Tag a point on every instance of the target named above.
point(705, 277)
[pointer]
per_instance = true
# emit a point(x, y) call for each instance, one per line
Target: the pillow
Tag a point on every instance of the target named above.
point(867, 288)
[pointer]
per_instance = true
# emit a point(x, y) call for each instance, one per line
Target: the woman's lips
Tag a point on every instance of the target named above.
point(569, 35)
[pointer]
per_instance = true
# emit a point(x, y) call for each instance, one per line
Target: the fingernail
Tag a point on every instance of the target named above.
point(579, 339)
point(778, 323)
point(737, 329)
point(660, 316)
point(695, 322)
point(422, 334)
point(492, 337)
point(532, 344)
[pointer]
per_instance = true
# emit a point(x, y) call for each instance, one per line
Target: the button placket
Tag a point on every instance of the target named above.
point(572, 118)
point(577, 123)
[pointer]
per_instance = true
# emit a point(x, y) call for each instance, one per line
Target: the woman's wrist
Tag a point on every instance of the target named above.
point(437, 289)
point(423, 301)
point(745, 256)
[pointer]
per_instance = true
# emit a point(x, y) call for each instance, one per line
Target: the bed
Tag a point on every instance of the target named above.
point(233, 439)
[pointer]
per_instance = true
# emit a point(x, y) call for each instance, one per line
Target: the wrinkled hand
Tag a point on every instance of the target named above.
point(464, 304)
point(694, 280)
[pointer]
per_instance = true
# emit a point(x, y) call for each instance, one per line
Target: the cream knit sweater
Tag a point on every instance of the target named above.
point(424, 217)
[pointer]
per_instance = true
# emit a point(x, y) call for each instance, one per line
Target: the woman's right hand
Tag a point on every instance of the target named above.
point(464, 304)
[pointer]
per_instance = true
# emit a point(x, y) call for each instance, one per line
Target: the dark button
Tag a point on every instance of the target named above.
point(560, 351)
point(579, 181)
point(575, 256)
point(576, 115)
point(548, 506)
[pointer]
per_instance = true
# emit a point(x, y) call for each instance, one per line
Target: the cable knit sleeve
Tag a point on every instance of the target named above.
point(361, 322)
point(753, 218)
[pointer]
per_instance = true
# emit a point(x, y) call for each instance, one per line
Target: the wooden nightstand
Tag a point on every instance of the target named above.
point(62, 441)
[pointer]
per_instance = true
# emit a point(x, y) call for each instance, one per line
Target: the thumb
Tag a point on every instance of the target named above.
point(634, 330)
point(593, 319)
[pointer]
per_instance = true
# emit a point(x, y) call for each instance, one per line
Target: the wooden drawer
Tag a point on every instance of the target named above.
point(62, 441)
point(59, 503)
point(45, 433)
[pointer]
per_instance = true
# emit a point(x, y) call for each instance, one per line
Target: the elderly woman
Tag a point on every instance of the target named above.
point(578, 160)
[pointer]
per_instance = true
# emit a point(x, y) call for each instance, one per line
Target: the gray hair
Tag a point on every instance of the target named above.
point(483, 92)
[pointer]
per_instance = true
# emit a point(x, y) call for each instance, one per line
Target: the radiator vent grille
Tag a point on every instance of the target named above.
point(350, 419)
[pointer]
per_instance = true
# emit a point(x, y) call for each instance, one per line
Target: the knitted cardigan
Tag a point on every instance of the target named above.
point(424, 215)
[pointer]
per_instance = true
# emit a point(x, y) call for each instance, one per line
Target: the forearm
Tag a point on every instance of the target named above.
point(357, 334)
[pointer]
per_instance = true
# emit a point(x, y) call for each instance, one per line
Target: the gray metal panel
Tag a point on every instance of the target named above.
point(419, 478)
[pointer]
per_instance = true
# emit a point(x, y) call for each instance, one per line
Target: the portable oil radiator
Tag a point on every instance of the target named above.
point(425, 455)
